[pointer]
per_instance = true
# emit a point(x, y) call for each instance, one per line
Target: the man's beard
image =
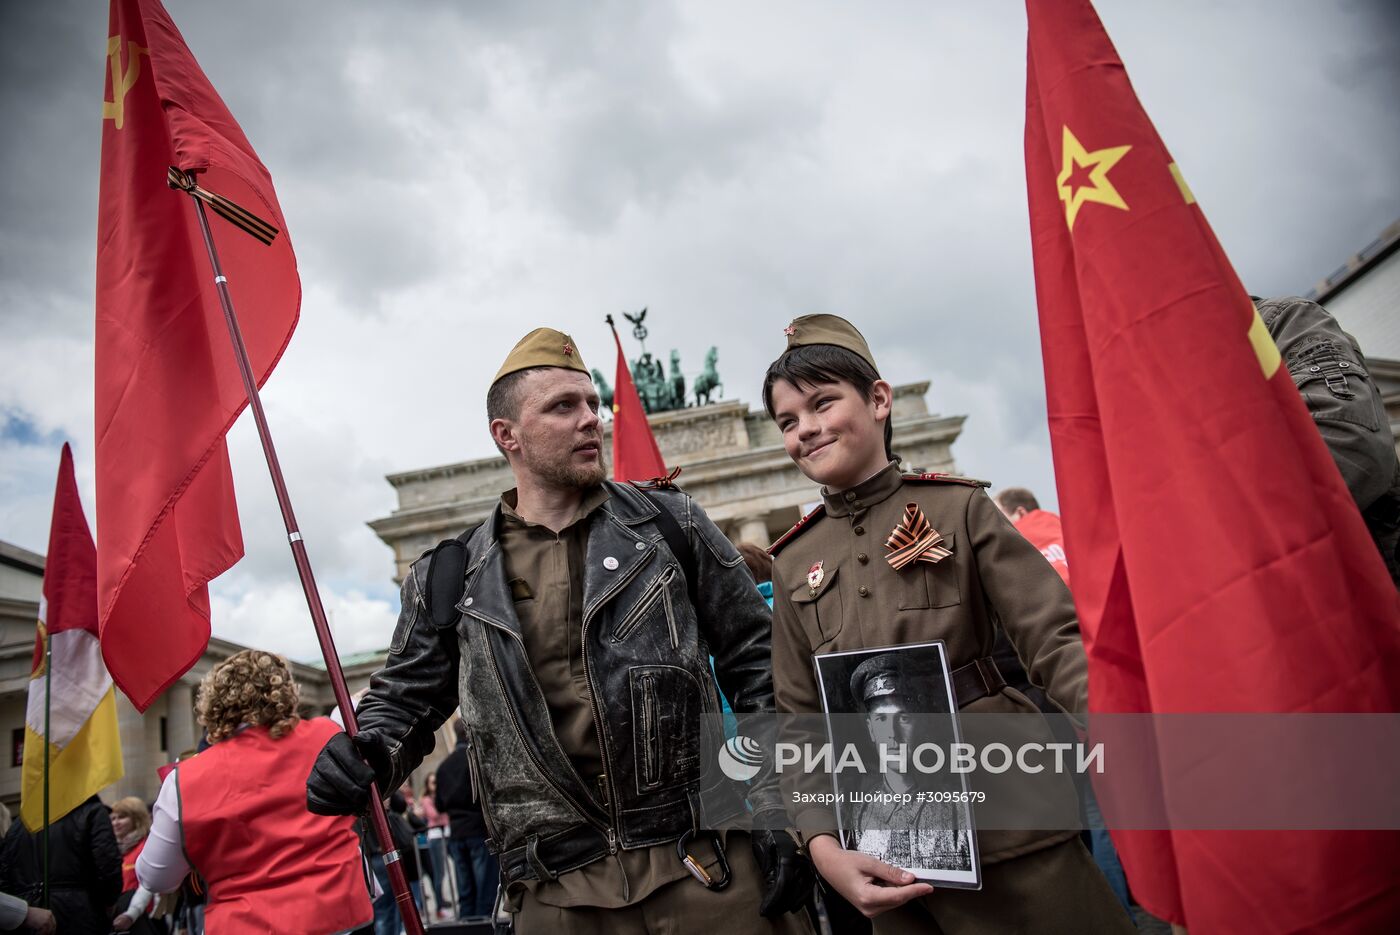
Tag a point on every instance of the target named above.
point(564, 473)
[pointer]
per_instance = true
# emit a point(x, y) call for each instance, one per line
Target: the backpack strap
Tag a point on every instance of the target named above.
point(680, 546)
point(447, 570)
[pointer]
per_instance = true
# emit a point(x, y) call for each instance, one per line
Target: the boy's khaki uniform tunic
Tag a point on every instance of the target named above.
point(1033, 880)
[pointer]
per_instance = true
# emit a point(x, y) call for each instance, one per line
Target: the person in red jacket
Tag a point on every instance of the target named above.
point(236, 813)
point(131, 822)
point(1039, 526)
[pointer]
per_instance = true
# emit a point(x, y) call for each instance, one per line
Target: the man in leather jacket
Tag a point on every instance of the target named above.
point(579, 652)
point(1330, 372)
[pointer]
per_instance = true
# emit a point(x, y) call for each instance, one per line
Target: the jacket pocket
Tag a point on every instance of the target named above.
point(923, 585)
point(656, 593)
point(819, 608)
point(666, 723)
point(474, 776)
point(1335, 385)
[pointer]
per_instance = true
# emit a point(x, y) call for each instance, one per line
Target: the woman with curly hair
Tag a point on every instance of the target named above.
point(236, 813)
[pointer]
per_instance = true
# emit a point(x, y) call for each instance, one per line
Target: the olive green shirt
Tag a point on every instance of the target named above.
point(549, 604)
point(544, 570)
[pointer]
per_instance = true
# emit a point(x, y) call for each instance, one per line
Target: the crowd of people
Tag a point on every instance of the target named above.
point(229, 844)
point(583, 630)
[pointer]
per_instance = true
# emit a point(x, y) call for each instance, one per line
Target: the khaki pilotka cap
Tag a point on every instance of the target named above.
point(543, 347)
point(828, 329)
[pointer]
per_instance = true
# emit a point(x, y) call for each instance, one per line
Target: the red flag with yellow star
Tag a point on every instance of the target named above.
point(635, 453)
point(167, 387)
point(1219, 562)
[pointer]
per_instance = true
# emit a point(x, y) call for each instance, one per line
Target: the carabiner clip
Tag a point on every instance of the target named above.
point(693, 865)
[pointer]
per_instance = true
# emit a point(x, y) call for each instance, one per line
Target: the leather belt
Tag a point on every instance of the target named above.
point(546, 858)
point(978, 679)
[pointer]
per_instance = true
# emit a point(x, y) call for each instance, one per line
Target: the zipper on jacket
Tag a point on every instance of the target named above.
point(593, 699)
point(671, 618)
point(644, 606)
point(520, 735)
point(648, 729)
point(475, 774)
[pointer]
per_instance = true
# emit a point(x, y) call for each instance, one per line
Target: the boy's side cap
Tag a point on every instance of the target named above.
point(543, 347)
point(828, 329)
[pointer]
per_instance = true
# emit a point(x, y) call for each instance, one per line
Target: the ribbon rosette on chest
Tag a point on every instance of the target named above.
point(914, 540)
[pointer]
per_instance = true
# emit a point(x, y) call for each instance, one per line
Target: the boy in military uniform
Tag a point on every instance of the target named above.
point(891, 558)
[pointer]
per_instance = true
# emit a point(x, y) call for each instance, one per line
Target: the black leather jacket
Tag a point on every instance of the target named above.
point(646, 654)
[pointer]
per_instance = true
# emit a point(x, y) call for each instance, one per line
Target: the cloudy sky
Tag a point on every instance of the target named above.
point(453, 174)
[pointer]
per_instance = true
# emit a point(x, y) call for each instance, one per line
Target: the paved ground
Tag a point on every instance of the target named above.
point(1149, 924)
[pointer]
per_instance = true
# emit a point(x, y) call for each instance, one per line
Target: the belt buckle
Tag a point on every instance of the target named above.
point(694, 867)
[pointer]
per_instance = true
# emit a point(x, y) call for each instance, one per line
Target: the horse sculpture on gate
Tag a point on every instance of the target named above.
point(605, 392)
point(708, 383)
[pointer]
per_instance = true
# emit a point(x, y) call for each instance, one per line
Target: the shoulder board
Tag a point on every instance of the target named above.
point(946, 479)
point(792, 533)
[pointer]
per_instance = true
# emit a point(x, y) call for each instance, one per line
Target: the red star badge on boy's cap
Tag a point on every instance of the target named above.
point(789, 331)
point(568, 350)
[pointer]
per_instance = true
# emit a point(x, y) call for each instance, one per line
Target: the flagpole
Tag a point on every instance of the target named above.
point(408, 909)
point(48, 710)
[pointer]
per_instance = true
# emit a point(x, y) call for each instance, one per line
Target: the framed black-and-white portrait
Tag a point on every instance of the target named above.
point(891, 718)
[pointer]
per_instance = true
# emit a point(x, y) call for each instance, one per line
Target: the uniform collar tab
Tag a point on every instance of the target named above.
point(866, 494)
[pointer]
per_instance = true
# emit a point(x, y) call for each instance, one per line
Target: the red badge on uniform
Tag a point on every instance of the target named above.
point(815, 575)
point(568, 350)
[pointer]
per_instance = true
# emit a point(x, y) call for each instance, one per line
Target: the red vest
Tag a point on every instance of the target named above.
point(271, 866)
point(1042, 528)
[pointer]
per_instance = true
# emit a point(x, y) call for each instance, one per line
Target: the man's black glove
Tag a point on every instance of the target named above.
point(788, 876)
point(341, 776)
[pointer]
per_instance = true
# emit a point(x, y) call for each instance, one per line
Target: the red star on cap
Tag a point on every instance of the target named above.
point(568, 350)
point(789, 331)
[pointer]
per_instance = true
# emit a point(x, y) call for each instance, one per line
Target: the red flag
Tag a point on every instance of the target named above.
point(1219, 562)
point(635, 455)
point(72, 710)
point(70, 565)
point(167, 385)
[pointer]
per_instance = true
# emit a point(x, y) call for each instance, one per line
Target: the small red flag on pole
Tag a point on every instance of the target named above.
point(168, 387)
point(635, 453)
point(1219, 562)
point(71, 746)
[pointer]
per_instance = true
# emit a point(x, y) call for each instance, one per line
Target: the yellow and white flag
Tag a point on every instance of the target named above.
point(85, 751)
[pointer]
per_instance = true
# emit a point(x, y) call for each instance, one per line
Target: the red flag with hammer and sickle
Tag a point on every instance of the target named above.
point(167, 387)
point(635, 453)
point(1220, 565)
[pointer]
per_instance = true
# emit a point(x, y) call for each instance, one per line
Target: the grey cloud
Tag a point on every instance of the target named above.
point(454, 173)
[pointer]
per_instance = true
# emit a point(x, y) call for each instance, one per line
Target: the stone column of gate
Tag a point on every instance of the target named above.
point(753, 529)
point(180, 731)
point(138, 764)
